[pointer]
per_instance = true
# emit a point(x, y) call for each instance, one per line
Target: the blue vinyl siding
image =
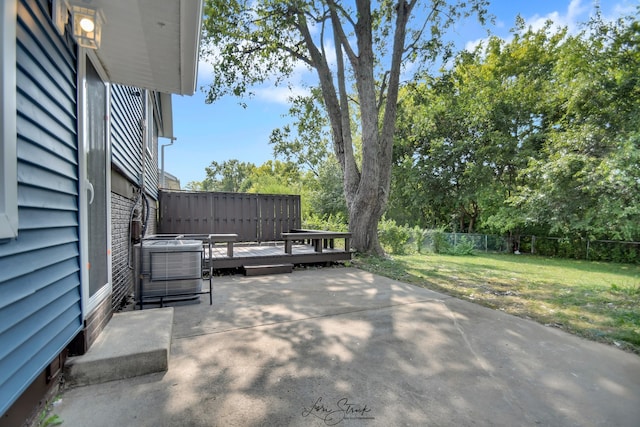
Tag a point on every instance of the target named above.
point(126, 132)
point(126, 138)
point(151, 160)
point(40, 304)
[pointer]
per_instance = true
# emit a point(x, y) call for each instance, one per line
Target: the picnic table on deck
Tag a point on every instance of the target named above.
point(319, 239)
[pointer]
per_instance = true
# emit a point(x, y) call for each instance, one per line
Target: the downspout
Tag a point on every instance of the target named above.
point(162, 179)
point(143, 147)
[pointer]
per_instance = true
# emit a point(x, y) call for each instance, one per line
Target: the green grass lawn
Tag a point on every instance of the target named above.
point(599, 301)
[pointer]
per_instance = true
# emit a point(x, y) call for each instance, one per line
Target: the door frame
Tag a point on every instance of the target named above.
point(89, 304)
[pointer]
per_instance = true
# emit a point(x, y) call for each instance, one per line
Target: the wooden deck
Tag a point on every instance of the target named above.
point(273, 253)
point(222, 251)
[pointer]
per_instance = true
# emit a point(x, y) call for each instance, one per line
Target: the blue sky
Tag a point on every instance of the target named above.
point(225, 130)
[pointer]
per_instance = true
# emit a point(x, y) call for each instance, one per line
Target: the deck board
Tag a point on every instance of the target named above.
point(255, 254)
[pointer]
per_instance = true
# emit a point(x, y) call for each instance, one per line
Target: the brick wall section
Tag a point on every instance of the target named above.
point(97, 320)
point(152, 226)
point(122, 275)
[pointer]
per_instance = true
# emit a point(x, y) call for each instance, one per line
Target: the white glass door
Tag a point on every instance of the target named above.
point(95, 175)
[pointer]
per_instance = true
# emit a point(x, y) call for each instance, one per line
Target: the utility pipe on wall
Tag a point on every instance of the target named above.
point(143, 152)
point(162, 180)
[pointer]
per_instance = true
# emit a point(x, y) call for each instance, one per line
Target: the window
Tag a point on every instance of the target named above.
point(8, 158)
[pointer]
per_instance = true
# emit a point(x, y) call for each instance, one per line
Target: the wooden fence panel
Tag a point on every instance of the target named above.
point(184, 212)
point(246, 216)
point(280, 211)
point(291, 214)
point(224, 212)
point(267, 214)
point(253, 217)
point(277, 215)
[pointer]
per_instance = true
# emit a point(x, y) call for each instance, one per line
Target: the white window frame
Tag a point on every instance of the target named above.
point(8, 131)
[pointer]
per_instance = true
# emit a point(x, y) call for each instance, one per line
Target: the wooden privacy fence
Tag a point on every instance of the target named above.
point(253, 217)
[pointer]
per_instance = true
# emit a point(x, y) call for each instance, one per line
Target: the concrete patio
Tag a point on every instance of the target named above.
point(339, 346)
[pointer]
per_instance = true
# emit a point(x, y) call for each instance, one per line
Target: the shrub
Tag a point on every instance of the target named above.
point(465, 246)
point(393, 237)
point(439, 242)
point(419, 237)
point(330, 222)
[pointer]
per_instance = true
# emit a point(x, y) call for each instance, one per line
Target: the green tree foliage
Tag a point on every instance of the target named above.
point(538, 134)
point(587, 180)
point(394, 237)
point(306, 143)
point(230, 175)
point(194, 186)
point(468, 133)
point(359, 46)
point(326, 196)
point(274, 177)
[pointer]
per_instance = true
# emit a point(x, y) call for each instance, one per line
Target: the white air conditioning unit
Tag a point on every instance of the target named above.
point(169, 267)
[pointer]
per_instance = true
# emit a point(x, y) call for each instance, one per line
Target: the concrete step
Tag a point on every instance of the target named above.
point(133, 343)
point(260, 270)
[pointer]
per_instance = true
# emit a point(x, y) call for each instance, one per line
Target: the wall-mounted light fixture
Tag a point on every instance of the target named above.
point(87, 26)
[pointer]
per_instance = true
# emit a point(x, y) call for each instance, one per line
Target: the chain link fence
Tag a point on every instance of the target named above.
point(592, 250)
point(478, 242)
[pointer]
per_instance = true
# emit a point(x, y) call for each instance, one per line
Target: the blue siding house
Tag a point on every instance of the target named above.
point(82, 110)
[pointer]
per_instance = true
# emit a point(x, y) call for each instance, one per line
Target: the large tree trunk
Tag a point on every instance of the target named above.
point(363, 224)
point(367, 188)
point(266, 35)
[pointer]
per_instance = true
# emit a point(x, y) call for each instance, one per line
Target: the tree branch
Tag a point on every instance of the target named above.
point(339, 33)
point(344, 13)
point(413, 45)
point(404, 10)
point(297, 55)
point(383, 88)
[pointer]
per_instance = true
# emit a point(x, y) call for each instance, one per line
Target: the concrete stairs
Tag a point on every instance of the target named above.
point(260, 270)
point(133, 343)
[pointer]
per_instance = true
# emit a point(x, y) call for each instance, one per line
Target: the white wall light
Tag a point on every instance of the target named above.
point(87, 26)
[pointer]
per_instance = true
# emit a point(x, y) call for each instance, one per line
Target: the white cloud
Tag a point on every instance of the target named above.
point(577, 12)
point(574, 14)
point(299, 82)
point(624, 8)
point(471, 45)
point(279, 94)
point(576, 9)
point(269, 91)
point(205, 72)
point(296, 85)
